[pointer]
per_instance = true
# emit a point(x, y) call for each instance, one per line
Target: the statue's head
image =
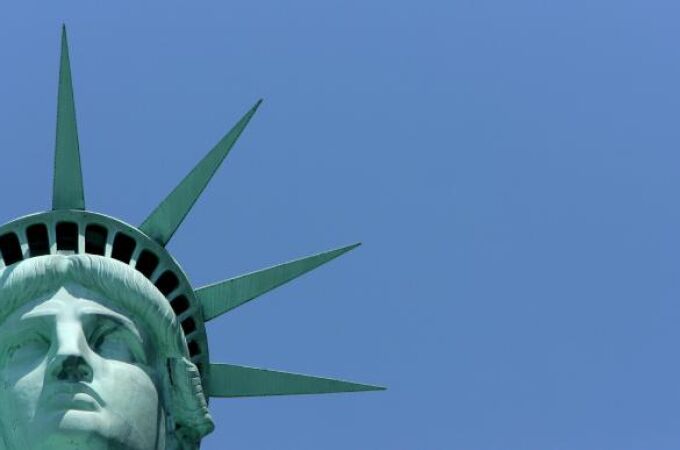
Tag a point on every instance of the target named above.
point(92, 357)
point(102, 336)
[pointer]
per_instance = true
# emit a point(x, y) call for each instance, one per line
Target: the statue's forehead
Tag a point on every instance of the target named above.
point(70, 301)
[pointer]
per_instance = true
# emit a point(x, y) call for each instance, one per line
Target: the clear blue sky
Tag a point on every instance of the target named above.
point(511, 167)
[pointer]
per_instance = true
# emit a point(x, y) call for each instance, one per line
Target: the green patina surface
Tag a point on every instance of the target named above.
point(216, 299)
point(182, 367)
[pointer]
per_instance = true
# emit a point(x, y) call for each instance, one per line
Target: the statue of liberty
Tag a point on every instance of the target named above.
point(102, 337)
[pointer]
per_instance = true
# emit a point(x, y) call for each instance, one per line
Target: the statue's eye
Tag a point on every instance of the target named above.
point(116, 344)
point(27, 350)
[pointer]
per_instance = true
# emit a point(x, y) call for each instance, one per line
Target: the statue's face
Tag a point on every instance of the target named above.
point(76, 373)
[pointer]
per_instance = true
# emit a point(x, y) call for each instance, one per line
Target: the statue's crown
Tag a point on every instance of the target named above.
point(70, 229)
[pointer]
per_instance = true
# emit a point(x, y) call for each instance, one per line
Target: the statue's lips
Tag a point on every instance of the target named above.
point(75, 396)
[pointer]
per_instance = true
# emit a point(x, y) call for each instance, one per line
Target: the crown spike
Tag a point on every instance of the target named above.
point(227, 380)
point(68, 179)
point(219, 298)
point(169, 214)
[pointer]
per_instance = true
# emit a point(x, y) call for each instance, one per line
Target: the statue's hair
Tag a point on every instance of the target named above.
point(135, 294)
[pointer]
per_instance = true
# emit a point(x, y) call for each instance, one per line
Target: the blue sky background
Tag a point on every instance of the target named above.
point(511, 167)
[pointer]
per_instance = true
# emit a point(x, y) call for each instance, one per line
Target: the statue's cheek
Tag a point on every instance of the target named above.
point(133, 408)
point(124, 384)
point(21, 389)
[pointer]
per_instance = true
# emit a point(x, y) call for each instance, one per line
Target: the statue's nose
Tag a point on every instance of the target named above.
point(72, 368)
point(70, 362)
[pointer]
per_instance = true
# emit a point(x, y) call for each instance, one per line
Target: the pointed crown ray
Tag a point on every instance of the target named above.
point(70, 229)
point(68, 190)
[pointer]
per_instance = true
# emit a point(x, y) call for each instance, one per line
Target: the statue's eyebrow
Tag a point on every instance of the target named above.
point(39, 313)
point(28, 321)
